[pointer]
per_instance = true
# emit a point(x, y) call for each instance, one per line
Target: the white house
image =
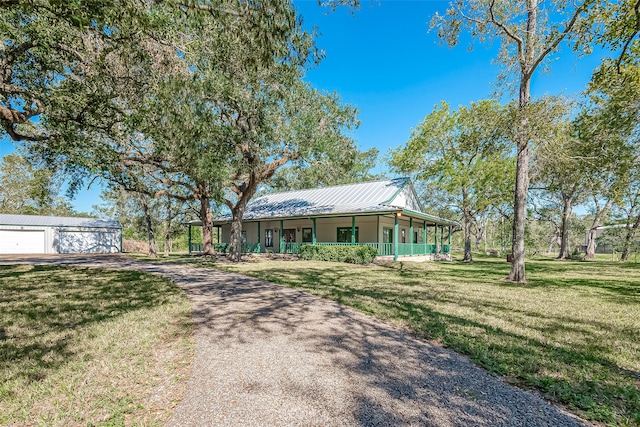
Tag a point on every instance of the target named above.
point(30, 234)
point(384, 214)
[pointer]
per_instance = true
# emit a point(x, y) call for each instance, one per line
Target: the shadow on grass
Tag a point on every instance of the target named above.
point(580, 374)
point(43, 308)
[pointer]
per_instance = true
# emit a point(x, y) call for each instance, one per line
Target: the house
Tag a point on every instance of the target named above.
point(384, 214)
point(30, 234)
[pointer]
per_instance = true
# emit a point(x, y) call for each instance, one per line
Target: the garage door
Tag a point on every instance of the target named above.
point(21, 241)
point(74, 242)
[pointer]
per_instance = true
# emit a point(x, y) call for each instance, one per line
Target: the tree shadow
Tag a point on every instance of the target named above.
point(45, 307)
point(527, 361)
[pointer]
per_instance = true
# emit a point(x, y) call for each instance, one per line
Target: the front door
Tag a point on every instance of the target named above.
point(289, 237)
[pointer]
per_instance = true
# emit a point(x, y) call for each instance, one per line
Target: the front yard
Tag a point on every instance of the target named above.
point(92, 347)
point(572, 333)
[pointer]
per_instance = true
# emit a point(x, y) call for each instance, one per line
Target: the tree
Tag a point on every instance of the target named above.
point(26, 189)
point(612, 119)
point(57, 58)
point(463, 153)
point(350, 166)
point(529, 32)
point(305, 123)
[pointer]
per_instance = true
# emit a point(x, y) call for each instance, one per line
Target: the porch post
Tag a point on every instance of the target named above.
point(258, 248)
point(313, 231)
point(435, 238)
point(353, 230)
point(411, 234)
point(189, 239)
point(424, 236)
point(395, 237)
point(281, 246)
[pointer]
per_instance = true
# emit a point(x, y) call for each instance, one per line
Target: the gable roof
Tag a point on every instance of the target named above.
point(57, 221)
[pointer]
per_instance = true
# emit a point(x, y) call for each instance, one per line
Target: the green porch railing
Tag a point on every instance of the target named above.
point(292, 248)
point(384, 249)
point(224, 247)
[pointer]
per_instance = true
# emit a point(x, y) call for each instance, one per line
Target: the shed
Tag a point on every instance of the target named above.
point(31, 234)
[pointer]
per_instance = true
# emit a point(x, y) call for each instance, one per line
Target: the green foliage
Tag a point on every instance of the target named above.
point(462, 156)
point(328, 168)
point(351, 254)
point(27, 189)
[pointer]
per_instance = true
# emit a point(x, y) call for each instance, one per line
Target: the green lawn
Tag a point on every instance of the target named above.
point(91, 347)
point(572, 332)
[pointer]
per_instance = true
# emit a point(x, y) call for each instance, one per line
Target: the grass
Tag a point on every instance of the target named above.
point(572, 332)
point(93, 347)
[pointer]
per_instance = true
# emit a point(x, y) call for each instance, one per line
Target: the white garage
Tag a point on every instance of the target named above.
point(30, 234)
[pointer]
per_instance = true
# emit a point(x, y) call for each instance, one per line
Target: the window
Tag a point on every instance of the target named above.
point(307, 235)
point(415, 237)
point(387, 235)
point(268, 238)
point(244, 237)
point(403, 236)
point(344, 235)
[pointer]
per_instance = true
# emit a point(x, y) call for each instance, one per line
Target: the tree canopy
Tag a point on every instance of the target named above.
point(464, 154)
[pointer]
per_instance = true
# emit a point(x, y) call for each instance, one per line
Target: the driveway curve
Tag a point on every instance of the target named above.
point(267, 355)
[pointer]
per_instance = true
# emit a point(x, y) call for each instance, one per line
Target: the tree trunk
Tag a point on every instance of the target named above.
point(590, 252)
point(564, 228)
point(235, 249)
point(468, 257)
point(153, 247)
point(484, 234)
point(527, 67)
point(628, 238)
point(237, 212)
point(206, 217)
point(167, 229)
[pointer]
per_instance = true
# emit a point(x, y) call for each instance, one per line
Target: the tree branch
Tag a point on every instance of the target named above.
point(568, 27)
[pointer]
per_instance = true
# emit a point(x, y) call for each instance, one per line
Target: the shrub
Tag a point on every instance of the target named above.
point(351, 254)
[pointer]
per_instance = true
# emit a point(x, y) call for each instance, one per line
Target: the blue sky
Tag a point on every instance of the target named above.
point(383, 60)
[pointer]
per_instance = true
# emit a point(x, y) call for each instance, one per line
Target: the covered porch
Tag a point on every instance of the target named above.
point(394, 234)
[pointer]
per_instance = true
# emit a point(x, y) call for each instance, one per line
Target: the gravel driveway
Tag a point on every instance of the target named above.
point(267, 355)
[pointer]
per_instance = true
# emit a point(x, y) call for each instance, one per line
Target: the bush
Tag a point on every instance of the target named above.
point(351, 254)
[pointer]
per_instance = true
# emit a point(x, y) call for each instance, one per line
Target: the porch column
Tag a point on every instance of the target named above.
point(411, 235)
point(313, 231)
point(353, 230)
point(281, 246)
point(258, 248)
point(424, 236)
point(188, 239)
point(435, 238)
point(395, 237)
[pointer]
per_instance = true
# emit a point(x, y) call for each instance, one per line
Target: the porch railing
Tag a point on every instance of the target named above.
point(384, 249)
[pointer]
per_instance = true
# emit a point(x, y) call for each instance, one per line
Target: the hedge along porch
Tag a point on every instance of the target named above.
point(383, 214)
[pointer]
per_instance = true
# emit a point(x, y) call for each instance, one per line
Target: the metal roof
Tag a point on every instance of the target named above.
point(348, 198)
point(57, 221)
